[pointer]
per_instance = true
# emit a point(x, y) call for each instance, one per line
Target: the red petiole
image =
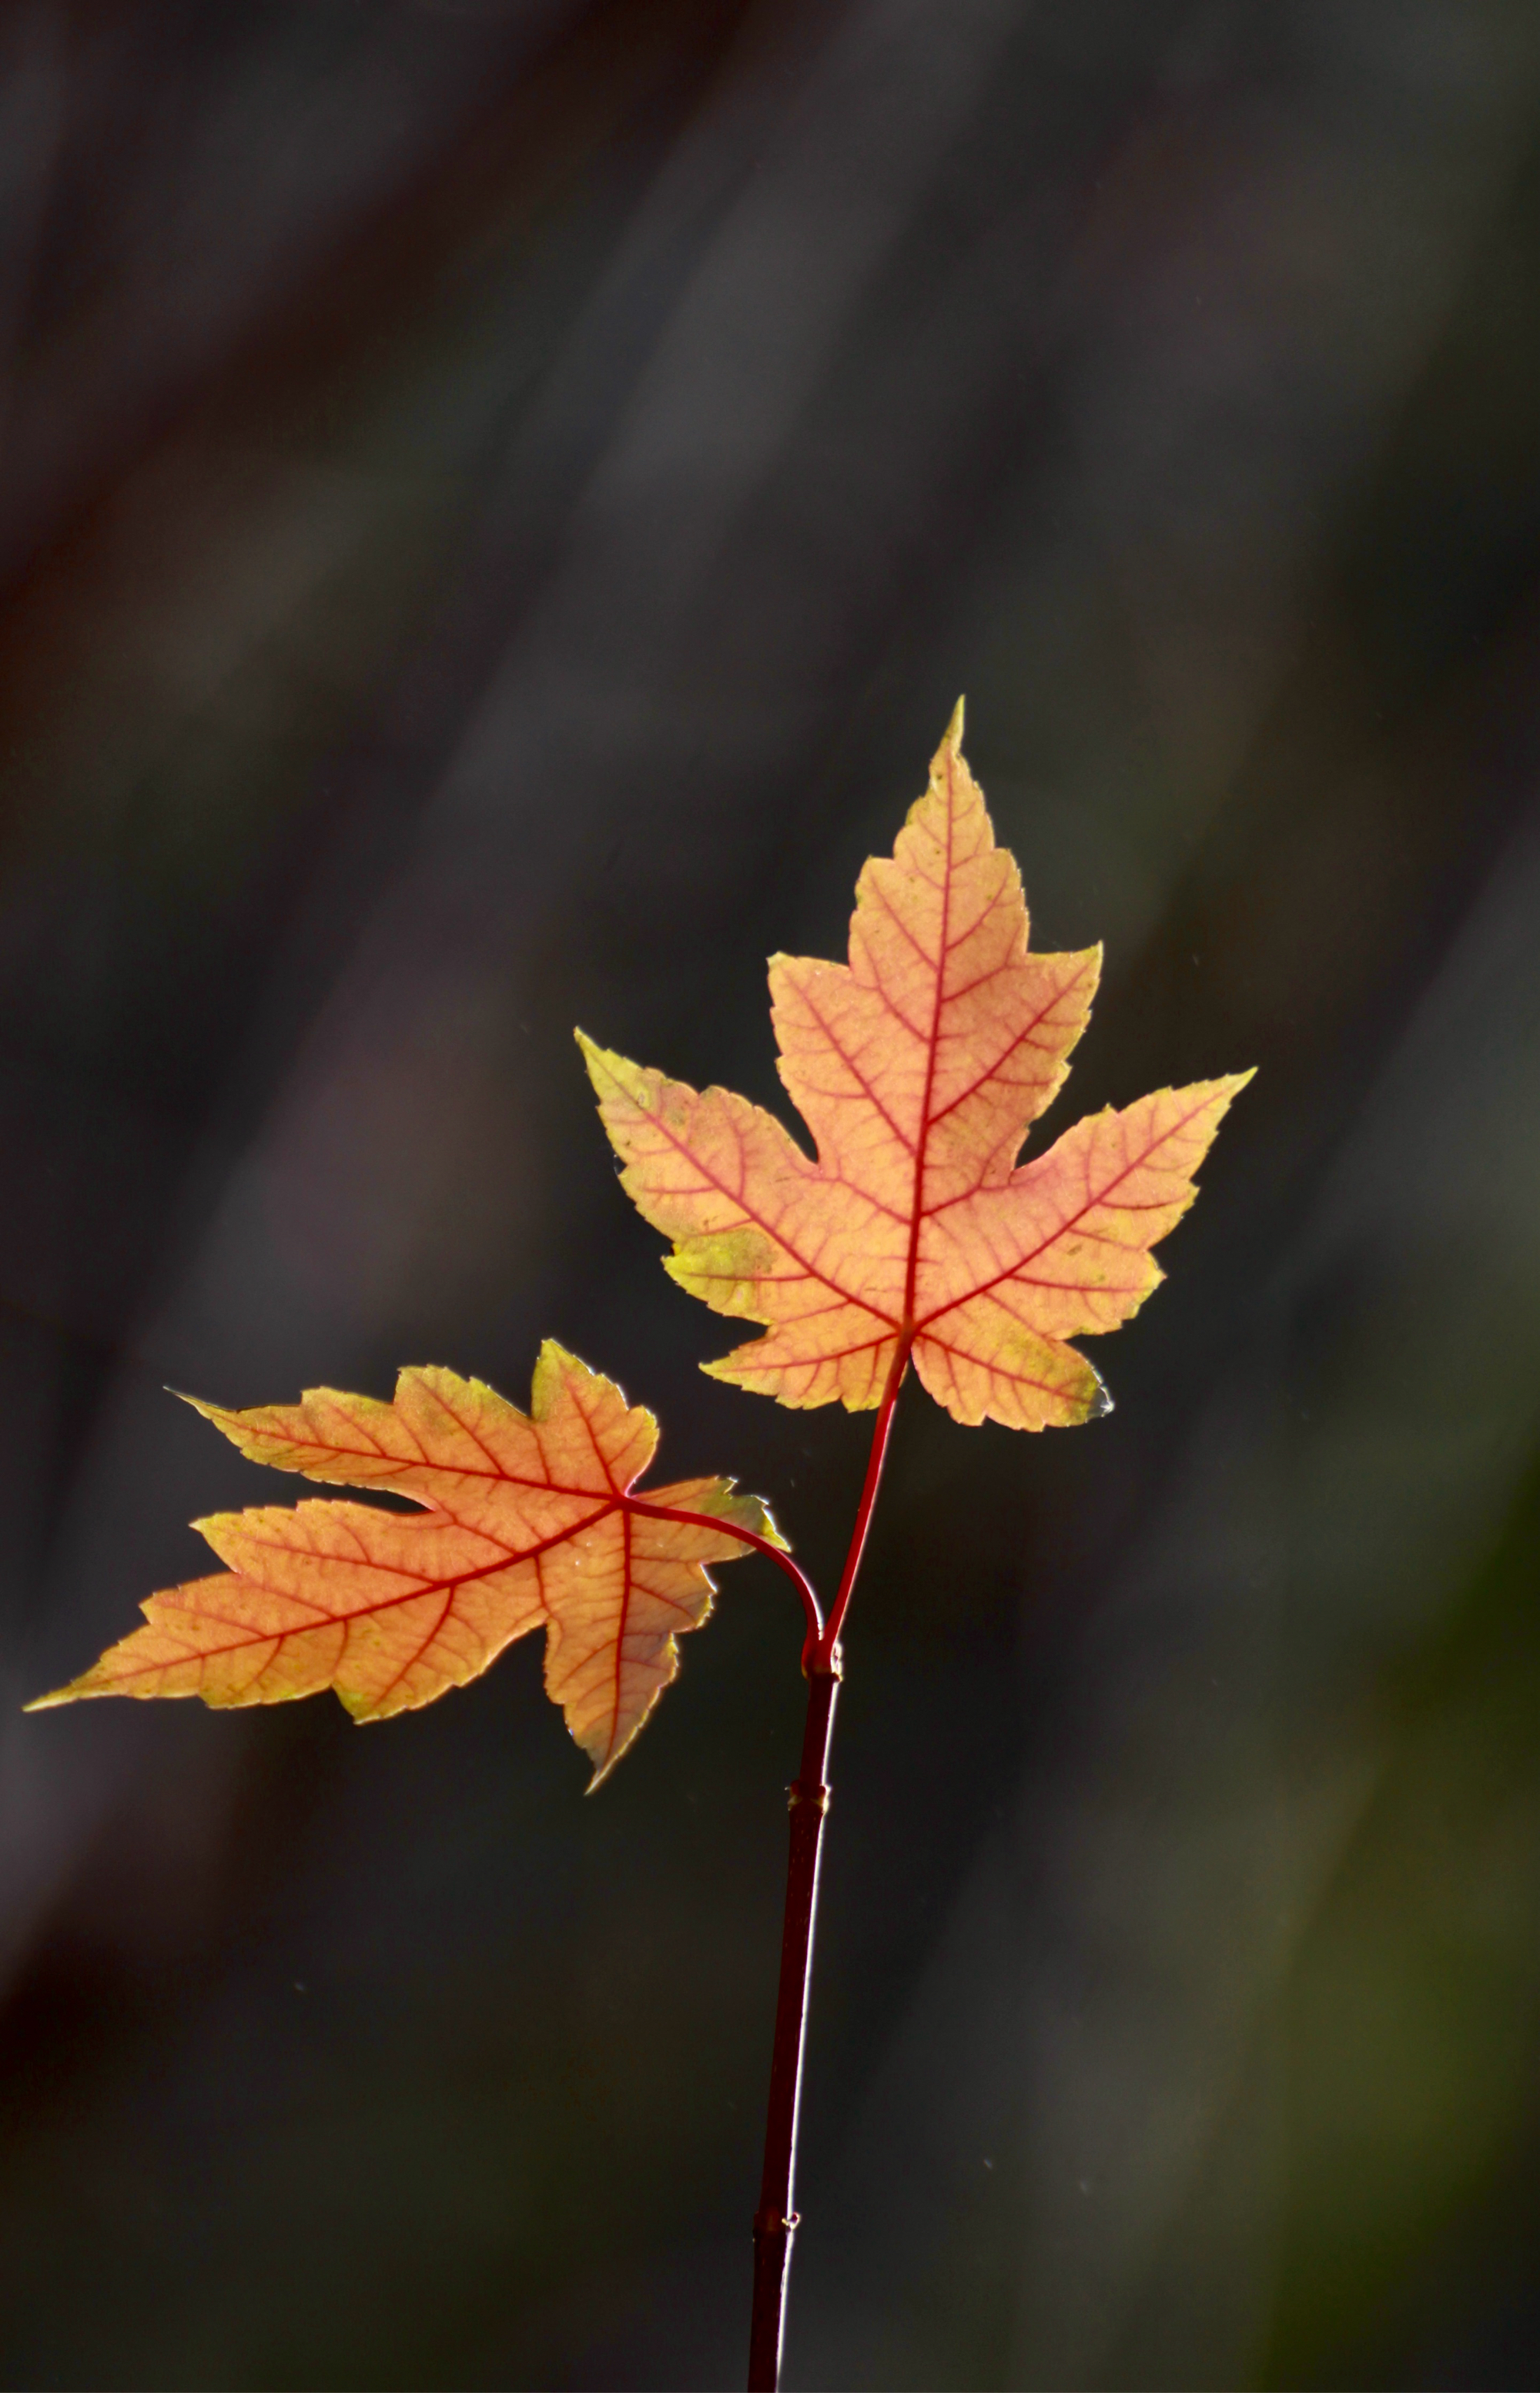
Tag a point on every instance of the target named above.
point(762, 1545)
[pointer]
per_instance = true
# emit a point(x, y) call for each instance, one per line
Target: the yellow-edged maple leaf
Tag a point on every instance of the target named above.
point(528, 1520)
point(918, 1067)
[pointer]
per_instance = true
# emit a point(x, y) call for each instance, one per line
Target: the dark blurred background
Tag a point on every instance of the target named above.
point(498, 501)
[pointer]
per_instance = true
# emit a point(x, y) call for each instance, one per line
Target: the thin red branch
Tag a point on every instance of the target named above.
point(776, 2220)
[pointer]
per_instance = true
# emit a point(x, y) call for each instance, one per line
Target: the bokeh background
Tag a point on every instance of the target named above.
point(497, 503)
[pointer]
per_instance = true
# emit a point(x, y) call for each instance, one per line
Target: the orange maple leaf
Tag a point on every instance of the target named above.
point(528, 1520)
point(919, 1067)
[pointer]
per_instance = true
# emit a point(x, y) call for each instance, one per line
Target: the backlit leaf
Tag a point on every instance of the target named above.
point(528, 1521)
point(919, 1067)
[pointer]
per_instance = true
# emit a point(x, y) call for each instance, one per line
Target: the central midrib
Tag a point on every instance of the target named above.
point(917, 1207)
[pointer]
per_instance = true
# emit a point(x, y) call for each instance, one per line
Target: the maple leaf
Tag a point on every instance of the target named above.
point(919, 1067)
point(528, 1520)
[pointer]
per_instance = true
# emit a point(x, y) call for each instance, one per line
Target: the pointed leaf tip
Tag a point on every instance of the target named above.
point(953, 735)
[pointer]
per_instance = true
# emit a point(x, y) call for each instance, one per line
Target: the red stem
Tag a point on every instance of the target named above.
point(776, 2220)
point(762, 1545)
